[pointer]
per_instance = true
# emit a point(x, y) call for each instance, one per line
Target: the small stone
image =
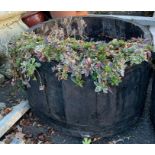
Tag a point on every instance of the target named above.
point(2, 105)
point(2, 78)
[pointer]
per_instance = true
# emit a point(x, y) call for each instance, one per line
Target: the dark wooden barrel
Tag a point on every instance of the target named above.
point(152, 107)
point(82, 112)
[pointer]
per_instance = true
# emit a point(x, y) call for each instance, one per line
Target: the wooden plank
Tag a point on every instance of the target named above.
point(10, 119)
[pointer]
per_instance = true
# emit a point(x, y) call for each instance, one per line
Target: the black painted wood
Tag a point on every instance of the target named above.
point(152, 109)
point(79, 103)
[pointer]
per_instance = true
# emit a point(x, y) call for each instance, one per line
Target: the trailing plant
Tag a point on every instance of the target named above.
point(104, 63)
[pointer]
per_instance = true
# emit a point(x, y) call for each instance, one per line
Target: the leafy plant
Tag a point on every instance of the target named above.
point(104, 63)
point(86, 141)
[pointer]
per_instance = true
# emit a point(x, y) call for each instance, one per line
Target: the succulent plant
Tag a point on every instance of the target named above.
point(105, 63)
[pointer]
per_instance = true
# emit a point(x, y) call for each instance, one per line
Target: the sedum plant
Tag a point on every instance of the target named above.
point(104, 63)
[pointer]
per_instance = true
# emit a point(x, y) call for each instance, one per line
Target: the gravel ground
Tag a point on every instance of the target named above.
point(31, 130)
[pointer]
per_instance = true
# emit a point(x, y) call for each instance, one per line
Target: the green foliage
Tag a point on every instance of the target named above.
point(78, 80)
point(29, 66)
point(86, 141)
point(104, 63)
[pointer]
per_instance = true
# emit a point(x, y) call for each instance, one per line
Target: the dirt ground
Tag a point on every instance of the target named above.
point(31, 130)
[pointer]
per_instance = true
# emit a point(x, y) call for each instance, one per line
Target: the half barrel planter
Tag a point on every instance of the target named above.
point(152, 107)
point(82, 112)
